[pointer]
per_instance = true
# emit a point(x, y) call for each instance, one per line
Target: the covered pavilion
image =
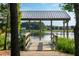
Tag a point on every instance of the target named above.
point(48, 16)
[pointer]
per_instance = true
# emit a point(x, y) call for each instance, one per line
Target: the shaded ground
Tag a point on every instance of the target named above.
point(4, 53)
point(36, 53)
point(43, 53)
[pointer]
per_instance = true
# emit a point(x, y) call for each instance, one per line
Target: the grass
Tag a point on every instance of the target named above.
point(66, 45)
point(2, 38)
point(1, 41)
point(71, 30)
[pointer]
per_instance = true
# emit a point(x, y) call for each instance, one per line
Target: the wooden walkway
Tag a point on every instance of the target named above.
point(39, 46)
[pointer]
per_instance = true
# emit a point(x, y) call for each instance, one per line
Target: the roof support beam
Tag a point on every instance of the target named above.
point(63, 29)
point(40, 29)
point(29, 26)
point(67, 30)
point(51, 30)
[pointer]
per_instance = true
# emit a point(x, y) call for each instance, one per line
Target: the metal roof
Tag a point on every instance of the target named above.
point(54, 15)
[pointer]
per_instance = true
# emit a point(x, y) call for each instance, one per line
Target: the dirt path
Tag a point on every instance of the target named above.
point(4, 53)
point(43, 53)
point(36, 53)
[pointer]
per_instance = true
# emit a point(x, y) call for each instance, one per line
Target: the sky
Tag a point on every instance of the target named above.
point(47, 6)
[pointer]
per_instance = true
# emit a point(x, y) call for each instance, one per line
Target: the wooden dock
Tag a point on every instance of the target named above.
point(39, 46)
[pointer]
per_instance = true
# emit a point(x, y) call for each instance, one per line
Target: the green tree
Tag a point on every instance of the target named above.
point(67, 6)
point(4, 13)
point(75, 8)
point(4, 10)
point(19, 17)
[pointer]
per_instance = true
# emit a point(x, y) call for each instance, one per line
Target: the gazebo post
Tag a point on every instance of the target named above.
point(40, 29)
point(63, 29)
point(67, 30)
point(51, 29)
point(29, 26)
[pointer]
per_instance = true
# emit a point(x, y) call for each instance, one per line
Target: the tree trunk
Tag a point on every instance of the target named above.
point(15, 49)
point(76, 29)
point(6, 34)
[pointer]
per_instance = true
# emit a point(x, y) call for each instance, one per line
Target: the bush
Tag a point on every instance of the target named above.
point(65, 45)
point(2, 38)
point(20, 38)
point(21, 42)
point(37, 33)
point(1, 41)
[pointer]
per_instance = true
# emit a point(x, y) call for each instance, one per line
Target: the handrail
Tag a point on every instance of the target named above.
point(26, 40)
point(54, 40)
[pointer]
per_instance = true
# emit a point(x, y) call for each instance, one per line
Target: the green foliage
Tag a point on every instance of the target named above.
point(21, 38)
point(2, 38)
point(19, 17)
point(66, 45)
point(4, 9)
point(4, 12)
point(67, 6)
point(35, 26)
point(37, 33)
point(35, 30)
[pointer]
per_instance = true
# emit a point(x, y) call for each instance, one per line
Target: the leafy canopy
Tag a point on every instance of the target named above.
point(67, 6)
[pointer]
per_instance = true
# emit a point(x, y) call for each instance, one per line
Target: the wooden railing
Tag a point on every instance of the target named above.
point(54, 41)
point(26, 41)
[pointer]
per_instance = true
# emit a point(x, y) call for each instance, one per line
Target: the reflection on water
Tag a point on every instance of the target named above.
point(47, 36)
point(43, 38)
point(71, 34)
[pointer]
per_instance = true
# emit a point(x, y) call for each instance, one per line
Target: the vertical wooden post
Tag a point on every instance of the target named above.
point(29, 26)
point(15, 49)
point(67, 31)
point(40, 30)
point(63, 29)
point(51, 30)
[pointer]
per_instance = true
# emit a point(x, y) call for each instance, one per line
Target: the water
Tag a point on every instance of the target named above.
point(47, 36)
point(60, 34)
point(43, 38)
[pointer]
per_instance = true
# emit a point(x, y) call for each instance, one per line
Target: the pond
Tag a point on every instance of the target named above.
point(47, 36)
